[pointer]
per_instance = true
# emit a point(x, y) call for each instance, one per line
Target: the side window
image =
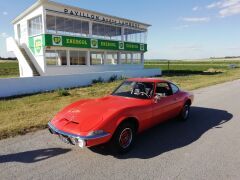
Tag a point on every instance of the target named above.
point(163, 89)
point(175, 89)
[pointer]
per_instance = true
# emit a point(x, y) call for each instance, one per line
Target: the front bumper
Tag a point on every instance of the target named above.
point(81, 141)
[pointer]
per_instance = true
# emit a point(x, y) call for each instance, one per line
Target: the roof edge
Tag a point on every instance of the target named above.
point(41, 2)
point(28, 10)
point(100, 13)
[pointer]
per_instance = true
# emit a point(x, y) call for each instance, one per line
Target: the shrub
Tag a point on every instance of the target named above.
point(63, 92)
point(122, 77)
point(113, 78)
point(99, 80)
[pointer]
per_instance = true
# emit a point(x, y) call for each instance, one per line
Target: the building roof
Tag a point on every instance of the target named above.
point(41, 2)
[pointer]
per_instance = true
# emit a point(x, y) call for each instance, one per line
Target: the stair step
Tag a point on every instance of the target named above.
point(30, 63)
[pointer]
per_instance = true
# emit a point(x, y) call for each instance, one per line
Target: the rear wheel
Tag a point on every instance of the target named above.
point(184, 115)
point(123, 138)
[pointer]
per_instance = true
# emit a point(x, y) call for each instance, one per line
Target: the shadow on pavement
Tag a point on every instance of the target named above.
point(174, 134)
point(33, 156)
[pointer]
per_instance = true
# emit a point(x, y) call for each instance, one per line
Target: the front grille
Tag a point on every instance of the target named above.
point(65, 139)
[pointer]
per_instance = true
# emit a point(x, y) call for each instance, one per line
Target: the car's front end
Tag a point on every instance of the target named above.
point(88, 123)
point(93, 138)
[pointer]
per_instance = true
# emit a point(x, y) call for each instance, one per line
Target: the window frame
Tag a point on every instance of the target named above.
point(172, 88)
point(132, 38)
point(84, 31)
point(30, 29)
point(97, 54)
point(58, 53)
point(163, 83)
point(129, 81)
point(107, 28)
point(78, 53)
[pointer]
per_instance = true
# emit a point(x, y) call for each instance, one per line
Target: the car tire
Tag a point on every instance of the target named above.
point(123, 138)
point(184, 114)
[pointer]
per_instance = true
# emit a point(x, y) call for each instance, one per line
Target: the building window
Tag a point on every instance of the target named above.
point(96, 58)
point(51, 24)
point(111, 58)
point(35, 26)
point(56, 58)
point(60, 25)
point(106, 31)
point(85, 28)
point(77, 58)
point(133, 35)
point(125, 58)
point(67, 26)
point(136, 58)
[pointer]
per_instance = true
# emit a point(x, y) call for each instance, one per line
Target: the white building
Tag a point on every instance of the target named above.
point(56, 39)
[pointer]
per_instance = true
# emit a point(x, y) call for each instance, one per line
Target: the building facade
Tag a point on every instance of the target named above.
point(56, 39)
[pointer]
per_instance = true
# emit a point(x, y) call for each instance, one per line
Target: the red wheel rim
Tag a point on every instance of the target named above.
point(125, 138)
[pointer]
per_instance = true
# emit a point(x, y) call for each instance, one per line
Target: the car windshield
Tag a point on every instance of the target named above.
point(140, 90)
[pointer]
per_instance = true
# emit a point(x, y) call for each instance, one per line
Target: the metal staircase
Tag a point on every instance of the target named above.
point(30, 63)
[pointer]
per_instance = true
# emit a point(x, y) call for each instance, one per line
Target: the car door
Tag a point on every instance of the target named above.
point(163, 108)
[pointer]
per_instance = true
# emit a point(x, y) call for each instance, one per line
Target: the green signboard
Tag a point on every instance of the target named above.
point(36, 44)
point(81, 42)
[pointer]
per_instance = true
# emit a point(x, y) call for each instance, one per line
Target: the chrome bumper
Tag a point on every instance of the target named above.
point(73, 138)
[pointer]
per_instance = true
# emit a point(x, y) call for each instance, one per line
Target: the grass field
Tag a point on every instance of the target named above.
point(29, 113)
point(9, 69)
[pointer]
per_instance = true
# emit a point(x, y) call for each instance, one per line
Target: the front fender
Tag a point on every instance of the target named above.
point(143, 115)
point(111, 123)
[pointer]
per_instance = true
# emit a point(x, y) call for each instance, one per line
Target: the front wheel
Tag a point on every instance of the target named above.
point(123, 138)
point(184, 115)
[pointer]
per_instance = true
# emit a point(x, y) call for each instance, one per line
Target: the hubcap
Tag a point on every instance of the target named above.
point(125, 138)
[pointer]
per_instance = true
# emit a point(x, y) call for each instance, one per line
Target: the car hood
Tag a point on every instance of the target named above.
point(85, 115)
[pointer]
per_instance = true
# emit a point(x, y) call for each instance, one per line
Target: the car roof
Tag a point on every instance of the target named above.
point(155, 80)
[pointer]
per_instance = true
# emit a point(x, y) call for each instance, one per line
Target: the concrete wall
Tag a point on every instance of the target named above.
point(20, 86)
point(63, 70)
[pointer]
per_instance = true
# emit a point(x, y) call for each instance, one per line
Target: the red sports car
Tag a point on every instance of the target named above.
point(136, 105)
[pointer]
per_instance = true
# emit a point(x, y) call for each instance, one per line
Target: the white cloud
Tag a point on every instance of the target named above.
point(230, 11)
point(213, 5)
point(196, 8)
point(182, 27)
point(5, 13)
point(229, 3)
point(196, 19)
point(226, 7)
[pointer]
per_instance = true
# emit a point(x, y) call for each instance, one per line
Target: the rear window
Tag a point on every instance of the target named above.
point(175, 89)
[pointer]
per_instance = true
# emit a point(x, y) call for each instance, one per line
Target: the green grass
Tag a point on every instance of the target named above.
point(21, 115)
point(182, 68)
point(30, 113)
point(9, 69)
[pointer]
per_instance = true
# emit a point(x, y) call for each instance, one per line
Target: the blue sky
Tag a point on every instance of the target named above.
point(180, 29)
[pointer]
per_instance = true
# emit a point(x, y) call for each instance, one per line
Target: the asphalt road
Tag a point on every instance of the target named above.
point(205, 147)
